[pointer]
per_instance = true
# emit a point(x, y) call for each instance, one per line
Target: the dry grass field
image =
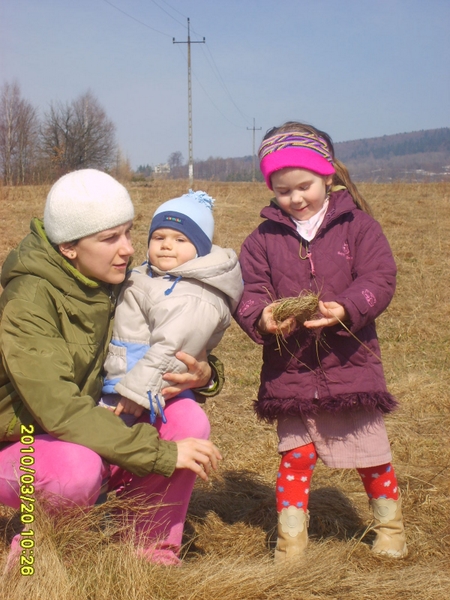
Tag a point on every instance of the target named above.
point(231, 522)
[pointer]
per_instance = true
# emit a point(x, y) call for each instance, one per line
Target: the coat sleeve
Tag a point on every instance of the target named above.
point(258, 287)
point(374, 276)
point(41, 370)
point(175, 324)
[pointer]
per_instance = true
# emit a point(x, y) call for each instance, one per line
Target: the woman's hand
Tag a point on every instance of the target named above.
point(198, 456)
point(267, 323)
point(333, 313)
point(198, 375)
point(128, 407)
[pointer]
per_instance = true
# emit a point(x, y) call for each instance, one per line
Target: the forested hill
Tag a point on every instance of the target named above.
point(419, 155)
point(416, 156)
point(401, 144)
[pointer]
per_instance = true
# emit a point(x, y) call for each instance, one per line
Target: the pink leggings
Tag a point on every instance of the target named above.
point(70, 473)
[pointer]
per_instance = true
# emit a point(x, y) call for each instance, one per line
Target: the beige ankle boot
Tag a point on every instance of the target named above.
point(390, 534)
point(292, 533)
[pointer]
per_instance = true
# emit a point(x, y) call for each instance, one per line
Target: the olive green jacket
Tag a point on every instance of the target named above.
point(54, 332)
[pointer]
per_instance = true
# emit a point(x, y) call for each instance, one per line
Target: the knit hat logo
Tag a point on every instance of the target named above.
point(174, 219)
point(191, 214)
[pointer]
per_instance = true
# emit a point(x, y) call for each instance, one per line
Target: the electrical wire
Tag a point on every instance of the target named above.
point(137, 20)
point(209, 97)
point(213, 64)
point(220, 79)
point(164, 10)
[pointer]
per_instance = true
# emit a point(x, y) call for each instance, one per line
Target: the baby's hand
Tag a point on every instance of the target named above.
point(267, 323)
point(128, 407)
point(333, 313)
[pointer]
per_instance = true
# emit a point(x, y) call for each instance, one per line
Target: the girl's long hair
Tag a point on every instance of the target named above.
point(342, 176)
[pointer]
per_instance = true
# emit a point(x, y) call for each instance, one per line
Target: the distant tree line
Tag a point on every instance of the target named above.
point(212, 169)
point(227, 169)
point(416, 156)
point(69, 136)
point(74, 135)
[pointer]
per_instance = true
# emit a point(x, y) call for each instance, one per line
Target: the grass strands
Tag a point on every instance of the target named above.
point(302, 308)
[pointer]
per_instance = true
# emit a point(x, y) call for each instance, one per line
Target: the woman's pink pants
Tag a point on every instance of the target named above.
point(70, 473)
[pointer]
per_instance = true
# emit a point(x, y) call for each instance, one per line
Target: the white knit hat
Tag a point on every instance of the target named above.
point(85, 202)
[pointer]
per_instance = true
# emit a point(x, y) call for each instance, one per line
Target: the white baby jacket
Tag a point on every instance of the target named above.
point(159, 313)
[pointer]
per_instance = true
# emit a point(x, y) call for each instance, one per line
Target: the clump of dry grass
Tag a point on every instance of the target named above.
point(302, 308)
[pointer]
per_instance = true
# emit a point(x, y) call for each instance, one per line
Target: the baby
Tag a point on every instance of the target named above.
point(181, 298)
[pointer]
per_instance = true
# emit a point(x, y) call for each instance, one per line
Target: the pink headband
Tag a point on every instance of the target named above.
point(297, 150)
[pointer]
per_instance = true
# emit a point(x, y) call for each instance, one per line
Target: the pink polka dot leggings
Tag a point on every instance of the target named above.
point(296, 470)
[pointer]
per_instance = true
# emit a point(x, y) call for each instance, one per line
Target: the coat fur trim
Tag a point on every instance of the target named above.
point(270, 409)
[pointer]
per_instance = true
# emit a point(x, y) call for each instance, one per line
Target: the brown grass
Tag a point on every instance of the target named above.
point(231, 522)
point(302, 308)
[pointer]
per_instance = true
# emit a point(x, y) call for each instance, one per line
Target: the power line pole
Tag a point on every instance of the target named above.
point(253, 155)
point(191, 154)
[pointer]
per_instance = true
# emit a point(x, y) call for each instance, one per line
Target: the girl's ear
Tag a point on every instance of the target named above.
point(329, 180)
point(68, 250)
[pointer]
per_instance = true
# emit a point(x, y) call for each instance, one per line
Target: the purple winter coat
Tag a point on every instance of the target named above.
point(350, 263)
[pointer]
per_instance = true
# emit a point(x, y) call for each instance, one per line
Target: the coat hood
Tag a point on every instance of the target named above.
point(36, 256)
point(219, 269)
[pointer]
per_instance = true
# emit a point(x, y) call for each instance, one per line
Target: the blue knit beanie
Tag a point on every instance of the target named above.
point(191, 214)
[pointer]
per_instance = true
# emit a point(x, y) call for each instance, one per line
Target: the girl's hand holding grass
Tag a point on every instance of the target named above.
point(333, 313)
point(267, 323)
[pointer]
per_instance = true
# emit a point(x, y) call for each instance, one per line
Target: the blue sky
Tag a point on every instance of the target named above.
point(353, 68)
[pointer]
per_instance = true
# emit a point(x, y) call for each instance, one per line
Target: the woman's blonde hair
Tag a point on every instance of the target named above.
point(341, 176)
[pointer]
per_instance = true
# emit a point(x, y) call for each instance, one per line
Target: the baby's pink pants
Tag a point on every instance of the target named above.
point(70, 473)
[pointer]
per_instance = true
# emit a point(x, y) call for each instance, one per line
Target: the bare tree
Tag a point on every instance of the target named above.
point(175, 160)
point(18, 135)
point(78, 135)
point(122, 169)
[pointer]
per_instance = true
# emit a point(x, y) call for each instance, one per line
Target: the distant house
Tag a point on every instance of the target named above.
point(162, 168)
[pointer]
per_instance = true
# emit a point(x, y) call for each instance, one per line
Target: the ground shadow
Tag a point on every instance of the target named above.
point(9, 525)
point(333, 515)
point(242, 496)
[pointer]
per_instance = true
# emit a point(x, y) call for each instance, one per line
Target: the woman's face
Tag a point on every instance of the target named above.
point(103, 256)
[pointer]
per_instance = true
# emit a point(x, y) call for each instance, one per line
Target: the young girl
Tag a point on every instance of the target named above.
point(323, 386)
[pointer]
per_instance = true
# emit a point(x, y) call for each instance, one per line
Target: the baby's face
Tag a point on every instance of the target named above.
point(169, 248)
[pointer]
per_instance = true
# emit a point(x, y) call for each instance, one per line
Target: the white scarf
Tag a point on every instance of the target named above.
point(308, 229)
